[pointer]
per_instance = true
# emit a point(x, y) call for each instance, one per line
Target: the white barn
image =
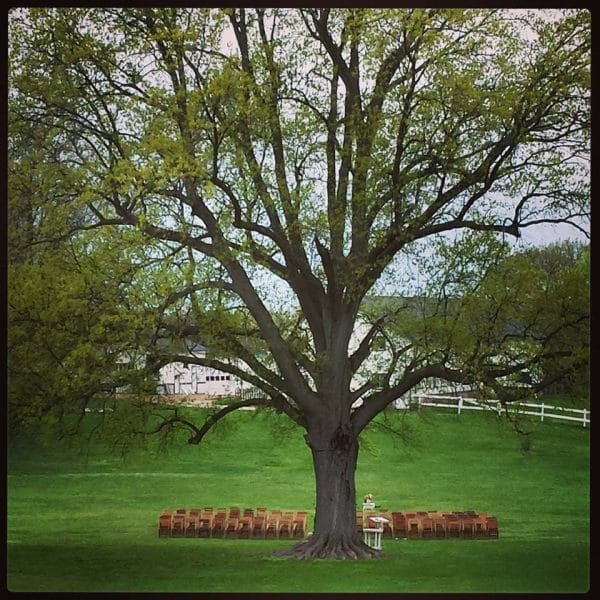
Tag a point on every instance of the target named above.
point(177, 378)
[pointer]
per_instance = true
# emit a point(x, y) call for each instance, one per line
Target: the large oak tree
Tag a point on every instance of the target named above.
point(300, 152)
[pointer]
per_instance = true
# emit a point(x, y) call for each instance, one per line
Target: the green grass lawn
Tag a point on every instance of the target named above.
point(87, 521)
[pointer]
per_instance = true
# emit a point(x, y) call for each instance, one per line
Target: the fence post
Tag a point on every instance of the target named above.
point(542, 413)
point(584, 417)
point(460, 404)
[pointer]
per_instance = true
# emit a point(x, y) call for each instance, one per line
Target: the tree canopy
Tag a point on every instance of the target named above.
point(260, 152)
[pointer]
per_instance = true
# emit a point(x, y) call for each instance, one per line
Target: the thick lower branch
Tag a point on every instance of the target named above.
point(216, 417)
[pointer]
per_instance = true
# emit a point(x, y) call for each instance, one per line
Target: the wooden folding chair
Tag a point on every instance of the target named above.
point(413, 526)
point(258, 526)
point(204, 527)
point(285, 525)
point(491, 524)
point(178, 526)
point(272, 524)
point(232, 523)
point(467, 527)
point(426, 527)
point(299, 524)
point(205, 523)
point(359, 521)
point(479, 528)
point(192, 524)
point(245, 524)
point(439, 526)
point(219, 523)
point(399, 524)
point(452, 525)
point(164, 524)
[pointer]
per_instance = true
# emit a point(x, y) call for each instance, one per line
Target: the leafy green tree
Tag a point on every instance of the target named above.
point(495, 317)
point(74, 308)
point(564, 312)
point(310, 148)
point(79, 302)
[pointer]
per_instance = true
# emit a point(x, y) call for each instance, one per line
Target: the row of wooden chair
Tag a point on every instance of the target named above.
point(234, 522)
point(431, 524)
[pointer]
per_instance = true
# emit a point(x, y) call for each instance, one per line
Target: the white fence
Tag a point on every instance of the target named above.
point(544, 411)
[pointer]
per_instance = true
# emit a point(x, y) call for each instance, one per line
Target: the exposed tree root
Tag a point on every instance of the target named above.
point(339, 547)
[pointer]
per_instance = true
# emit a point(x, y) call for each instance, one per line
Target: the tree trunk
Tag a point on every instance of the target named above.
point(334, 534)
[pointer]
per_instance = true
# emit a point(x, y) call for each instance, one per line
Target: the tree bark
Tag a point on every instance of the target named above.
point(334, 536)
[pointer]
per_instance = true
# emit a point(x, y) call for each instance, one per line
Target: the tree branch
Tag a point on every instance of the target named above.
point(223, 412)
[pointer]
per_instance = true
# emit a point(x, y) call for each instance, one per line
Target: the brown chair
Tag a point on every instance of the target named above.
point(207, 513)
point(399, 524)
point(232, 523)
point(192, 524)
point(491, 524)
point(426, 527)
point(245, 524)
point(219, 523)
point(359, 521)
point(413, 525)
point(479, 528)
point(258, 526)
point(285, 525)
point(181, 511)
point(178, 526)
point(204, 527)
point(272, 524)
point(452, 525)
point(299, 524)
point(439, 526)
point(467, 526)
point(164, 524)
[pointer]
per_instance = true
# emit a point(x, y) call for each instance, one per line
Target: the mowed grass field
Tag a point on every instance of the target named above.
point(85, 520)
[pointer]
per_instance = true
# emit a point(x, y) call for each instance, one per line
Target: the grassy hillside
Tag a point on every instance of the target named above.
point(86, 521)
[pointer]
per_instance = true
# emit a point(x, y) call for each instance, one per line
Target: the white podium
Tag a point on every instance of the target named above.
point(372, 535)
